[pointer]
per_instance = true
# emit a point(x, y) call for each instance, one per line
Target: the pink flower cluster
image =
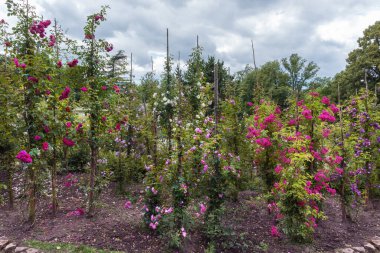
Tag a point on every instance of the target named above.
point(68, 142)
point(39, 28)
point(154, 219)
point(271, 118)
point(51, 41)
point(252, 132)
point(65, 93)
point(24, 157)
point(326, 116)
point(307, 114)
point(325, 101)
point(32, 79)
point(72, 63)
point(333, 108)
point(84, 89)
point(98, 17)
point(108, 47)
point(128, 204)
point(274, 231)
point(89, 36)
point(292, 122)
point(70, 180)
point(45, 146)
point(326, 132)
point(264, 142)
point(18, 65)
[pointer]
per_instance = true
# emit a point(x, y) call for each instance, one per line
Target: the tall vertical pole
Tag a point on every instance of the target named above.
point(216, 96)
point(131, 75)
point(168, 87)
point(253, 55)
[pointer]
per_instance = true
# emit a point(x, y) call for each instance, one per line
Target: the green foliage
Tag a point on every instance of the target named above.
point(299, 71)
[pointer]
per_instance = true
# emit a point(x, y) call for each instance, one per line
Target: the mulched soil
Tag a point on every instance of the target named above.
point(114, 227)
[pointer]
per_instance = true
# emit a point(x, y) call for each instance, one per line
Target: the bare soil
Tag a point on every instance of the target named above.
point(116, 228)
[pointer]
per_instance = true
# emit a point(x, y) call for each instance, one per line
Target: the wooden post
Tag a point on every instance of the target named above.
point(168, 87)
point(344, 174)
point(131, 75)
point(216, 96)
point(253, 54)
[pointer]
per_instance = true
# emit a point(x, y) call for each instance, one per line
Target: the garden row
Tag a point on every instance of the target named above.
point(192, 138)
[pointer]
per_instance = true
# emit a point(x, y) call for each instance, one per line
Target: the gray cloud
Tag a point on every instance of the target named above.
point(323, 31)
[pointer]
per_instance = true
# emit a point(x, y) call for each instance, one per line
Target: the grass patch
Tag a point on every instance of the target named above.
point(61, 247)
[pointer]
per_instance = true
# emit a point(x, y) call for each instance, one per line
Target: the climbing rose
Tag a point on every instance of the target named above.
point(59, 64)
point(202, 208)
point(108, 47)
point(45, 146)
point(98, 17)
point(278, 169)
point(314, 94)
point(264, 142)
point(46, 129)
point(72, 63)
point(89, 36)
point(65, 93)
point(84, 89)
point(338, 159)
point(339, 171)
point(252, 132)
point(198, 130)
point(292, 122)
point(52, 41)
point(116, 89)
point(307, 114)
point(32, 79)
point(183, 231)
point(274, 231)
point(68, 142)
point(326, 132)
point(24, 157)
point(325, 101)
point(79, 127)
point(326, 116)
point(128, 205)
point(37, 138)
point(68, 124)
point(15, 60)
point(334, 109)
point(269, 119)
point(249, 104)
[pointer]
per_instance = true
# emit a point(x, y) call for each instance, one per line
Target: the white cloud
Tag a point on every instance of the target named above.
point(324, 31)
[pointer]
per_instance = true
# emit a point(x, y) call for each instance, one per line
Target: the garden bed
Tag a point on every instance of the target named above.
point(114, 227)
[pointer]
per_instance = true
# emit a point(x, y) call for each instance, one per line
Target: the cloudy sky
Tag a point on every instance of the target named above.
point(323, 31)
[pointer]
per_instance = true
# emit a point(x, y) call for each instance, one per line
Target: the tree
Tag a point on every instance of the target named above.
point(274, 82)
point(116, 66)
point(363, 64)
point(300, 72)
point(193, 76)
